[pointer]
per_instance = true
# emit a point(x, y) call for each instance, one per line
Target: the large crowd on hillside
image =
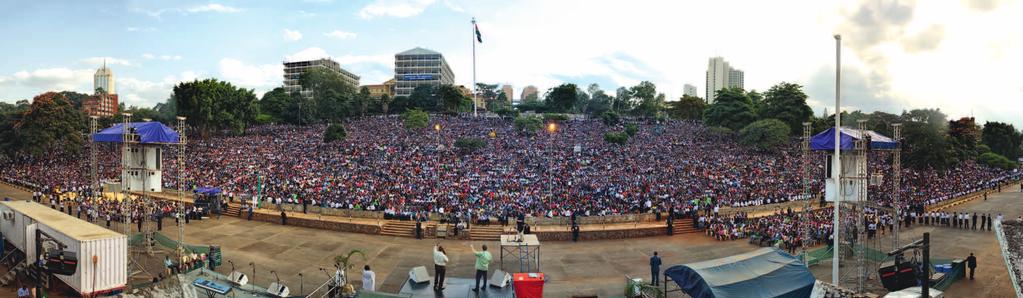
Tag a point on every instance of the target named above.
point(385, 167)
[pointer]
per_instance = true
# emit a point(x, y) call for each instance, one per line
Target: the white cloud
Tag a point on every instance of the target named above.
point(260, 77)
point(453, 6)
point(312, 53)
point(306, 14)
point(140, 29)
point(384, 59)
point(170, 57)
point(212, 7)
point(143, 93)
point(51, 79)
point(340, 34)
point(292, 35)
point(98, 61)
point(148, 56)
point(394, 8)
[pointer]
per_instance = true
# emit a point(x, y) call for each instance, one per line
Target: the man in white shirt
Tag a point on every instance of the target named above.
point(369, 279)
point(440, 263)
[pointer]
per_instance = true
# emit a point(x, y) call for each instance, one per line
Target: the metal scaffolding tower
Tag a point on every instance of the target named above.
point(897, 181)
point(126, 138)
point(93, 163)
point(182, 140)
point(805, 167)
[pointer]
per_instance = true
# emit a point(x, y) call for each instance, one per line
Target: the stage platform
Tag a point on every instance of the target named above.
point(454, 287)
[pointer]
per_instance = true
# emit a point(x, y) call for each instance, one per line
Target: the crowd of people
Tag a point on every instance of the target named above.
point(566, 169)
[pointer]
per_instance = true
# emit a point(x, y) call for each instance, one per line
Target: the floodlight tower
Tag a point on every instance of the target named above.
point(897, 180)
point(93, 164)
point(805, 167)
point(836, 168)
point(125, 151)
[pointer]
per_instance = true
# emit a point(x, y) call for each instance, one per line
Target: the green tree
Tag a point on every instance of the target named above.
point(731, 109)
point(385, 103)
point(610, 118)
point(765, 135)
point(1002, 138)
point(997, 161)
point(415, 119)
point(622, 100)
point(599, 101)
point(963, 135)
point(470, 145)
point(75, 98)
point(528, 124)
point(363, 101)
point(214, 105)
point(276, 103)
point(50, 122)
point(452, 99)
point(562, 98)
point(925, 140)
point(425, 98)
point(688, 108)
point(487, 92)
point(786, 102)
point(332, 97)
point(532, 97)
point(618, 138)
point(631, 129)
point(334, 132)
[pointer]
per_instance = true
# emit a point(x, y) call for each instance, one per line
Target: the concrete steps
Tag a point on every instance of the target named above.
point(407, 229)
point(486, 233)
point(233, 210)
point(684, 226)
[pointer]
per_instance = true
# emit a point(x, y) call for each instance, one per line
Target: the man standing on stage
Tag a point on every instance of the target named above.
point(482, 266)
point(440, 263)
point(655, 269)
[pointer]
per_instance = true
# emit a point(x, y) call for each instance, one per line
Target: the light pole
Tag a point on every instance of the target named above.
point(836, 162)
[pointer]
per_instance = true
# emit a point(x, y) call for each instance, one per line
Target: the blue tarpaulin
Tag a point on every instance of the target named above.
point(766, 272)
point(208, 191)
point(149, 133)
point(826, 140)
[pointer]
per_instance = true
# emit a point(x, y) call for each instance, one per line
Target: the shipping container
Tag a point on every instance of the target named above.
point(102, 253)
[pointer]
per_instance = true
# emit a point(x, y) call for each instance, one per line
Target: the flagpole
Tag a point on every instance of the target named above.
point(473, 37)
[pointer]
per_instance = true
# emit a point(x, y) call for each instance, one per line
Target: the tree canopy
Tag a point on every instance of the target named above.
point(785, 102)
point(415, 119)
point(562, 98)
point(688, 108)
point(765, 135)
point(50, 122)
point(1003, 139)
point(731, 109)
point(215, 105)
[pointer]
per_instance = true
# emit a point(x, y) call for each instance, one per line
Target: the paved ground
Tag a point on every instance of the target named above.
point(585, 268)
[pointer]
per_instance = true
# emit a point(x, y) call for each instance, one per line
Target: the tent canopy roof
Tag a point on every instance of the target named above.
point(149, 133)
point(826, 139)
point(766, 272)
point(208, 190)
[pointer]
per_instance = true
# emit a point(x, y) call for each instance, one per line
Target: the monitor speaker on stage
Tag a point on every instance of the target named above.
point(278, 290)
point(238, 278)
point(895, 278)
point(419, 275)
point(500, 279)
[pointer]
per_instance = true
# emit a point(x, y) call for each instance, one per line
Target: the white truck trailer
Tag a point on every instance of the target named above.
point(19, 221)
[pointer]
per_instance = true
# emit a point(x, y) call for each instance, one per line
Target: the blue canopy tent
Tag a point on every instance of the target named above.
point(210, 191)
point(766, 272)
point(149, 133)
point(826, 139)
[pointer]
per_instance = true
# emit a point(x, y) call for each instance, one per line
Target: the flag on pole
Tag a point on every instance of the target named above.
point(478, 36)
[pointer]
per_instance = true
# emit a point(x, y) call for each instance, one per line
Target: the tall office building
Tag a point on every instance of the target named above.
point(689, 90)
point(526, 92)
point(103, 102)
point(720, 75)
point(294, 70)
point(420, 66)
point(507, 89)
point(104, 79)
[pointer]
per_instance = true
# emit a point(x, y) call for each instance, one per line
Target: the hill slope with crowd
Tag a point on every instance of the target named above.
point(385, 167)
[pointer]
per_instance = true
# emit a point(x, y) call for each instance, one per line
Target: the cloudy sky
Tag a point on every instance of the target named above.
point(960, 56)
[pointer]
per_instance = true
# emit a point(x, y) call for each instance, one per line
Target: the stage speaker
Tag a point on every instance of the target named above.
point(895, 278)
point(238, 278)
point(61, 262)
point(419, 275)
point(279, 290)
point(500, 279)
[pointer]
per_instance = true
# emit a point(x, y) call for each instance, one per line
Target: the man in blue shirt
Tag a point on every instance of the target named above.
point(655, 269)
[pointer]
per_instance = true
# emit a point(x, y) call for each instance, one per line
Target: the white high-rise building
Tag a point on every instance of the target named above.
point(720, 75)
point(420, 66)
point(689, 90)
point(104, 79)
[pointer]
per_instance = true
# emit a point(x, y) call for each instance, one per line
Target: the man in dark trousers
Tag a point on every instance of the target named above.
point(983, 221)
point(671, 224)
point(973, 222)
point(250, 212)
point(971, 262)
point(575, 232)
point(305, 205)
point(419, 229)
point(284, 218)
point(655, 269)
